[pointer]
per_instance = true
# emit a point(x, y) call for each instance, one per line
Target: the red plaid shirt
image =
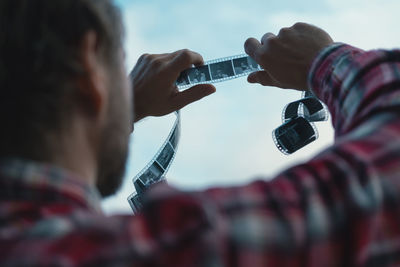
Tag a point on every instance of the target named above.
point(341, 208)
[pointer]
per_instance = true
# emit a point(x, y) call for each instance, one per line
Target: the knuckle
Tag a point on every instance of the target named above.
point(143, 57)
point(151, 57)
point(156, 62)
point(284, 31)
point(185, 55)
point(272, 42)
point(299, 25)
point(185, 51)
point(247, 43)
point(266, 37)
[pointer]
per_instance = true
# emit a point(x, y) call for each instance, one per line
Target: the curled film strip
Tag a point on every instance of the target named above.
point(156, 169)
point(296, 132)
point(298, 128)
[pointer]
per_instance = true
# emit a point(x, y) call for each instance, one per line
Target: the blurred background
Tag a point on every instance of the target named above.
point(226, 137)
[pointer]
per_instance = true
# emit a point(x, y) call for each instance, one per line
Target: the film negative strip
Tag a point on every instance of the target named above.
point(297, 131)
point(298, 128)
point(156, 169)
point(218, 70)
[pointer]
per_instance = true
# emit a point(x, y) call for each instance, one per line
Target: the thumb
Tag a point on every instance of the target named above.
point(191, 95)
point(262, 77)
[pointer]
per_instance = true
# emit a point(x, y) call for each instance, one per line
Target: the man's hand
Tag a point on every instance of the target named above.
point(287, 58)
point(154, 87)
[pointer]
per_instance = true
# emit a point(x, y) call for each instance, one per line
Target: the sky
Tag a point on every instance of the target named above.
point(226, 138)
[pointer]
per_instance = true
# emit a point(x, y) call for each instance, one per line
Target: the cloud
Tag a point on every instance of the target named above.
point(366, 24)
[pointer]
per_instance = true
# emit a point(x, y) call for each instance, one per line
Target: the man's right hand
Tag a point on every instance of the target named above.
point(287, 58)
point(153, 80)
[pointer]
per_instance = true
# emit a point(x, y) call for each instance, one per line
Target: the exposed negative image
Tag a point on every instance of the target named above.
point(152, 175)
point(294, 134)
point(199, 74)
point(183, 79)
point(166, 156)
point(221, 70)
point(245, 65)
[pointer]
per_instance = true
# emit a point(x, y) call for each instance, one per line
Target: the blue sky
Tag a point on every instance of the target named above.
point(226, 138)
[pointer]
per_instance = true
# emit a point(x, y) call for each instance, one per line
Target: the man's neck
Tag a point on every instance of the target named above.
point(75, 152)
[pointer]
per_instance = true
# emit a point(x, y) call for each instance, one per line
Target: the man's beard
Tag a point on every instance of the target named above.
point(112, 161)
point(113, 150)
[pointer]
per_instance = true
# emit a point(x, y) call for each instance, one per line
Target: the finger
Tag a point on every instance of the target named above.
point(184, 59)
point(266, 37)
point(150, 57)
point(191, 95)
point(263, 78)
point(251, 46)
point(284, 32)
point(142, 58)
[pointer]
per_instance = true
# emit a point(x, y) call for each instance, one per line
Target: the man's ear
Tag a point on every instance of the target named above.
point(92, 85)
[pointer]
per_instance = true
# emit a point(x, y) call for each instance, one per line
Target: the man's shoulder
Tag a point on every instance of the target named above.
point(83, 222)
point(79, 236)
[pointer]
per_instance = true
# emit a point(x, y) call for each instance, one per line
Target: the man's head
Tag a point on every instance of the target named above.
point(61, 61)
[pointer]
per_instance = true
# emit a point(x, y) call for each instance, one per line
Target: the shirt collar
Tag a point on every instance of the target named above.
point(36, 177)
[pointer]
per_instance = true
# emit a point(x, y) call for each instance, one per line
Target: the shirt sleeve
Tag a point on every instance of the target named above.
point(339, 209)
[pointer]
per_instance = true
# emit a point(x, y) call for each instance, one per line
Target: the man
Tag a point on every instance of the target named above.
point(66, 116)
